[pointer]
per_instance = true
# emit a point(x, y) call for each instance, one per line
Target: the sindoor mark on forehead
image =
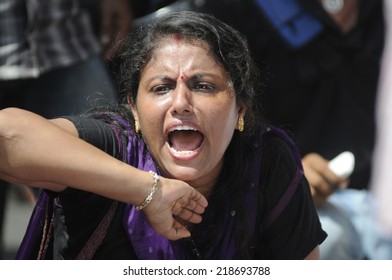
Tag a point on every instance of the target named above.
point(177, 38)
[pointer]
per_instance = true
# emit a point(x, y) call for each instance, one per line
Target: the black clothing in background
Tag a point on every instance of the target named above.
point(324, 92)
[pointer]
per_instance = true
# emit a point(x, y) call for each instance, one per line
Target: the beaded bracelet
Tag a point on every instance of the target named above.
point(152, 191)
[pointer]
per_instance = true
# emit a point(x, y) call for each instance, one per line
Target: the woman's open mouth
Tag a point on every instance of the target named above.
point(184, 140)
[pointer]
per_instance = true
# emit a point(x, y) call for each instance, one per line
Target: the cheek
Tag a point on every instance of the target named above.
point(150, 122)
point(224, 123)
point(150, 119)
point(149, 111)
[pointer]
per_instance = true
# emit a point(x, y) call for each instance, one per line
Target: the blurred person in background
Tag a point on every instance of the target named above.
point(381, 172)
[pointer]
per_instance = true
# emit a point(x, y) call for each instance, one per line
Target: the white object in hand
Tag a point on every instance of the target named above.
point(343, 164)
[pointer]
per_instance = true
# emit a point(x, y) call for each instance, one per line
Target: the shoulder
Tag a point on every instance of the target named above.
point(109, 133)
point(281, 177)
point(280, 161)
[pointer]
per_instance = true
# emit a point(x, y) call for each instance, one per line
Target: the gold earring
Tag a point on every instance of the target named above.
point(137, 128)
point(240, 124)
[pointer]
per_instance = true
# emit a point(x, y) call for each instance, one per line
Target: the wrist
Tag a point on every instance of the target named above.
point(150, 195)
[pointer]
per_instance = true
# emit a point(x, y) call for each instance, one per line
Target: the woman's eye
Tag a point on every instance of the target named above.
point(204, 87)
point(161, 89)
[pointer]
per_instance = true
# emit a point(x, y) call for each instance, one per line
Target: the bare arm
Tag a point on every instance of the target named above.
point(48, 154)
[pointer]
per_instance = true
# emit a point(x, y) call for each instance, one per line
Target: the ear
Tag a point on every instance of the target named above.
point(133, 108)
point(129, 99)
point(241, 110)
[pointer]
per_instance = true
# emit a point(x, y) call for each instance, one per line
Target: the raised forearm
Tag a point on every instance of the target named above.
point(46, 154)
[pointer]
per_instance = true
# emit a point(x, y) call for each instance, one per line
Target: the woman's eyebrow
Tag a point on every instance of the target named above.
point(160, 77)
point(202, 75)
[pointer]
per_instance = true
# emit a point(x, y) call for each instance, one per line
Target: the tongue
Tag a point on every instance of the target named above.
point(185, 140)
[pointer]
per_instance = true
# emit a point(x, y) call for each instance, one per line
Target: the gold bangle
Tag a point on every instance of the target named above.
point(149, 197)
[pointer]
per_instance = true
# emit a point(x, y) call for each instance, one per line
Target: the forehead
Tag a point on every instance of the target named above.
point(179, 40)
point(182, 49)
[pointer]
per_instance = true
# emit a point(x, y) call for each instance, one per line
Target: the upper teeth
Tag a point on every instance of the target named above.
point(182, 127)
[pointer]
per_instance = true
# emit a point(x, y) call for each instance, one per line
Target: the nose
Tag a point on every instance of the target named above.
point(181, 100)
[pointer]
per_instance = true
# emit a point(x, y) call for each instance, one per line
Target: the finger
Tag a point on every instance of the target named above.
point(199, 198)
point(186, 214)
point(177, 208)
point(195, 203)
point(178, 231)
point(317, 173)
point(319, 183)
point(325, 188)
point(194, 206)
point(318, 164)
point(190, 216)
point(333, 180)
point(319, 199)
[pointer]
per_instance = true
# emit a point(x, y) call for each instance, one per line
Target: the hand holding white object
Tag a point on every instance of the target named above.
point(343, 164)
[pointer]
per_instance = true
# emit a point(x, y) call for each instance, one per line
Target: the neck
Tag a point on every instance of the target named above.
point(207, 182)
point(205, 187)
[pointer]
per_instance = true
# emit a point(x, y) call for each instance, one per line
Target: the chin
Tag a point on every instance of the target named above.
point(184, 173)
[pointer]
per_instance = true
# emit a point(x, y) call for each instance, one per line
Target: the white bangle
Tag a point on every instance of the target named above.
point(149, 197)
